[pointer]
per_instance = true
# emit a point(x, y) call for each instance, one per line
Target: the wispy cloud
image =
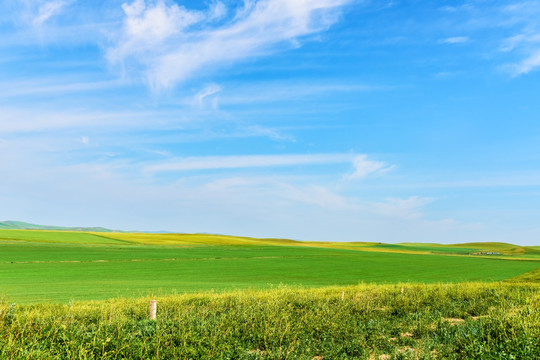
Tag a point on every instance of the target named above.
point(207, 92)
point(247, 161)
point(59, 22)
point(408, 208)
point(257, 130)
point(513, 27)
point(519, 40)
point(45, 120)
point(317, 195)
point(48, 9)
point(454, 40)
point(172, 43)
point(454, 9)
point(277, 91)
point(526, 16)
point(55, 86)
point(364, 167)
point(527, 65)
point(36, 14)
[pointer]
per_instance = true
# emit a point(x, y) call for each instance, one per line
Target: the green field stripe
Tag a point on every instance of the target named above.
point(60, 282)
point(50, 236)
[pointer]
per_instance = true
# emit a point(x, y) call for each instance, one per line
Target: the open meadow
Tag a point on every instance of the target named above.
point(85, 295)
point(54, 266)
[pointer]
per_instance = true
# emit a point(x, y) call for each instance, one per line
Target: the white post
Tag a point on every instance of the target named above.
point(153, 309)
point(342, 295)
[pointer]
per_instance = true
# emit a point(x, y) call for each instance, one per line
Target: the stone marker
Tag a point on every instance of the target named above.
point(153, 309)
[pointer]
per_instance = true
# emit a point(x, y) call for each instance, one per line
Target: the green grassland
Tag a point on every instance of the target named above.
point(372, 322)
point(84, 295)
point(61, 266)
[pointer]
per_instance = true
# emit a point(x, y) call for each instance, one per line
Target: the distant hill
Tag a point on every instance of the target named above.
point(20, 225)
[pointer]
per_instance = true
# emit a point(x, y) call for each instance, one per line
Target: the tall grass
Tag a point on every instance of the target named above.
point(452, 321)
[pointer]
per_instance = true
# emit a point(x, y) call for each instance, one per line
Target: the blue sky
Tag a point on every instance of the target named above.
point(337, 120)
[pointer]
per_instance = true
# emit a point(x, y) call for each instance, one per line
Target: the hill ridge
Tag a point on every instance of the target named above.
point(21, 225)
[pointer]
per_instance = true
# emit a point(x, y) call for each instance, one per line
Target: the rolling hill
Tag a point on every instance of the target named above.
point(21, 225)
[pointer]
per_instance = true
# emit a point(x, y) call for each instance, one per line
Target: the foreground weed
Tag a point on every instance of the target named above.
point(404, 321)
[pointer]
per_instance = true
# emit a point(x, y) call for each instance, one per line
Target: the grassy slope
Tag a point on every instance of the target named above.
point(58, 266)
point(505, 250)
point(51, 236)
point(79, 237)
point(194, 239)
point(532, 276)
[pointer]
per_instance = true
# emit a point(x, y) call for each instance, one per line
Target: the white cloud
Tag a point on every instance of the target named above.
point(172, 43)
point(36, 13)
point(455, 40)
point(275, 91)
point(48, 10)
point(444, 74)
point(512, 42)
point(217, 10)
point(207, 92)
point(247, 161)
point(455, 9)
point(54, 86)
point(364, 167)
point(527, 65)
point(316, 195)
point(256, 130)
point(145, 25)
point(517, 21)
point(44, 119)
point(408, 208)
point(526, 16)
point(228, 183)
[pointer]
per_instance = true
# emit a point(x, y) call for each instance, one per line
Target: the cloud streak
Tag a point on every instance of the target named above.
point(408, 208)
point(526, 15)
point(527, 65)
point(515, 25)
point(364, 167)
point(44, 120)
point(455, 40)
point(170, 43)
point(247, 161)
point(47, 10)
point(208, 92)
